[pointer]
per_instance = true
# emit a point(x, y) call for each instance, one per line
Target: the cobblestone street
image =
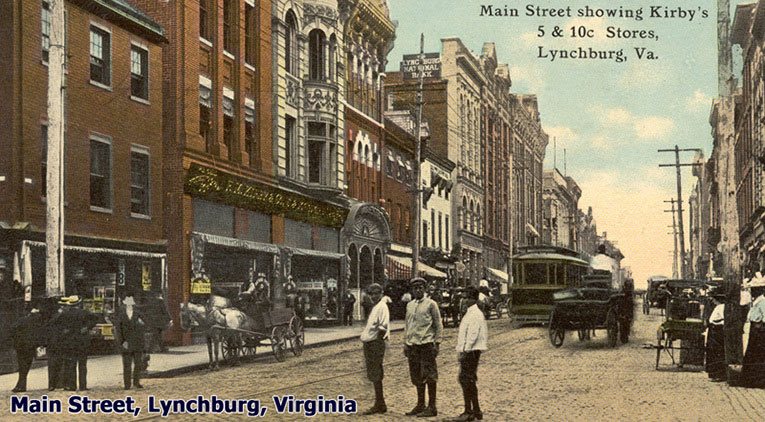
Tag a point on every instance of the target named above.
point(521, 378)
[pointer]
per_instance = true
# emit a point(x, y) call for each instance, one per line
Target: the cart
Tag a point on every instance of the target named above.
point(690, 335)
point(595, 306)
point(275, 329)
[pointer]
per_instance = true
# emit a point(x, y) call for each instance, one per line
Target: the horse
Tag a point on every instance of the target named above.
point(216, 321)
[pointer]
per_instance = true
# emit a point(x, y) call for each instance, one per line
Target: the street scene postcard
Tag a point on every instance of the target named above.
point(438, 210)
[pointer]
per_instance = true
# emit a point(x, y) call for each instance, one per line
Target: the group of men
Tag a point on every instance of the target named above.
point(65, 332)
point(422, 339)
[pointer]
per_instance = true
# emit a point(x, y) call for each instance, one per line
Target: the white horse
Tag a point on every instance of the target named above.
point(216, 320)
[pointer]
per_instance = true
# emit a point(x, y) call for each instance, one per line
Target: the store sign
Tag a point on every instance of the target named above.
point(211, 184)
point(429, 65)
point(121, 272)
point(310, 285)
point(146, 276)
point(201, 286)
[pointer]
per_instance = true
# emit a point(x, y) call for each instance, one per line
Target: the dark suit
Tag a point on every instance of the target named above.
point(82, 321)
point(26, 334)
point(60, 349)
point(129, 336)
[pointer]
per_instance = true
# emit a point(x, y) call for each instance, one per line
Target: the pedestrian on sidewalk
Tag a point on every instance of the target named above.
point(734, 315)
point(26, 334)
point(58, 348)
point(472, 339)
point(375, 337)
point(422, 339)
point(348, 301)
point(81, 322)
point(129, 336)
point(715, 347)
point(753, 370)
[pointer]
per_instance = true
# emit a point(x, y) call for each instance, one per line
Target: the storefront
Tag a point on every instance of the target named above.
point(316, 275)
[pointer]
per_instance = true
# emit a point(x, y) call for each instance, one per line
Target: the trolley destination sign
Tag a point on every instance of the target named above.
point(412, 65)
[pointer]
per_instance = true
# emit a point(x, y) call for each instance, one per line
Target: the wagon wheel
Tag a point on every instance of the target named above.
point(297, 336)
point(229, 345)
point(556, 334)
point(612, 327)
point(279, 343)
point(249, 347)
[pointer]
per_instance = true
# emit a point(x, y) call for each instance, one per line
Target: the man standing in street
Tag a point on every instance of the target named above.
point(421, 343)
point(26, 333)
point(129, 336)
point(374, 337)
point(471, 341)
point(348, 301)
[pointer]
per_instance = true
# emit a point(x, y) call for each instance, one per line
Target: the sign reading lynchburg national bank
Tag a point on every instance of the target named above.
point(412, 65)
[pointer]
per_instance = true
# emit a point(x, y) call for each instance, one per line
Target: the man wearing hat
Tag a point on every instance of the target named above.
point(129, 336)
point(63, 336)
point(82, 322)
point(421, 345)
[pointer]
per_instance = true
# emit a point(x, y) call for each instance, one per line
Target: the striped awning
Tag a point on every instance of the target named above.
point(400, 268)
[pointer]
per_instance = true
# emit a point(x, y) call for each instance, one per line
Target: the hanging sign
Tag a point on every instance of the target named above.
point(429, 65)
point(201, 286)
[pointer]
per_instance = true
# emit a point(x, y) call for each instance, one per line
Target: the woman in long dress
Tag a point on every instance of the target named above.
point(753, 370)
point(715, 361)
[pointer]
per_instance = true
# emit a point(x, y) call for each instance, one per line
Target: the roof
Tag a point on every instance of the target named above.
point(123, 9)
point(549, 257)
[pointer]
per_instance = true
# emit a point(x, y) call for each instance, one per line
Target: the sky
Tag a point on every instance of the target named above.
point(610, 117)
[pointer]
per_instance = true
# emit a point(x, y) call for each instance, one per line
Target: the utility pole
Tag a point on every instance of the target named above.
point(54, 190)
point(681, 234)
point(674, 233)
point(417, 163)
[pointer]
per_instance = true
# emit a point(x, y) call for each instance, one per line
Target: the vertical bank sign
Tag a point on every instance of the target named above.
point(429, 65)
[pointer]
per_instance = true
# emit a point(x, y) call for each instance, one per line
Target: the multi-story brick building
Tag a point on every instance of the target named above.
point(529, 145)
point(113, 155)
point(496, 141)
point(561, 207)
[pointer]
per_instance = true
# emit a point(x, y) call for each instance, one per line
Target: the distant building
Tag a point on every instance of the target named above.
point(561, 207)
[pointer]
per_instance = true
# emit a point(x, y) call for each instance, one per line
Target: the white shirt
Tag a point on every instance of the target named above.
point(717, 316)
point(379, 319)
point(474, 332)
point(757, 312)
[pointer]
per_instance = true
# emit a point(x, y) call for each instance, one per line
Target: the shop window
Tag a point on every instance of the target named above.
point(100, 173)
point(139, 72)
point(139, 182)
point(213, 218)
point(258, 227)
point(100, 56)
point(328, 239)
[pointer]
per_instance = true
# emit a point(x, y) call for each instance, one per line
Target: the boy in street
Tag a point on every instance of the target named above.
point(421, 342)
point(471, 341)
point(374, 336)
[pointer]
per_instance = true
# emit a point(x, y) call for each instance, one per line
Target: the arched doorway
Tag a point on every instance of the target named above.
point(366, 275)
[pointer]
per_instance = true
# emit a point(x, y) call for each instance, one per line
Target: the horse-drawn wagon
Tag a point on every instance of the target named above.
point(596, 305)
point(237, 333)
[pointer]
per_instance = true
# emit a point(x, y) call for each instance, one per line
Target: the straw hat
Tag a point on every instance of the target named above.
point(70, 300)
point(757, 282)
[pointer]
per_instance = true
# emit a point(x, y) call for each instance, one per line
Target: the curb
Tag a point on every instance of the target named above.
point(260, 356)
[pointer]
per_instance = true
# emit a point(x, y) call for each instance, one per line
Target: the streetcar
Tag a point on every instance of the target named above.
point(538, 272)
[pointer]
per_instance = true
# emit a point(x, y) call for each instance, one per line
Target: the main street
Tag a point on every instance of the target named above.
point(522, 377)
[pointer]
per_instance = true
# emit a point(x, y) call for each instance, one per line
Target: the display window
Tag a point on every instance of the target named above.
point(316, 280)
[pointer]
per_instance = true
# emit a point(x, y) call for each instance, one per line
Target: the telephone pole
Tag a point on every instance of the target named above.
point(674, 233)
point(417, 155)
point(54, 190)
point(681, 234)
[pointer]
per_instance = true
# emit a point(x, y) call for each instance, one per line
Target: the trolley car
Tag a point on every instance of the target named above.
point(539, 272)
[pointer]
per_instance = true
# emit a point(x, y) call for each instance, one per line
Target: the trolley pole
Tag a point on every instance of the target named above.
point(417, 163)
point(681, 234)
point(54, 190)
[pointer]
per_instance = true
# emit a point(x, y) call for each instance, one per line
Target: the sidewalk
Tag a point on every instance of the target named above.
point(104, 372)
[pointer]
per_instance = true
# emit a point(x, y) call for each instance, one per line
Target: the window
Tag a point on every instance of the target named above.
point(228, 121)
point(290, 138)
point(100, 56)
point(139, 72)
point(424, 234)
point(205, 115)
point(433, 225)
point(440, 231)
point(291, 45)
point(205, 19)
point(229, 15)
point(322, 160)
point(446, 227)
point(43, 160)
point(139, 182)
point(100, 174)
point(250, 25)
point(45, 30)
point(249, 128)
point(316, 59)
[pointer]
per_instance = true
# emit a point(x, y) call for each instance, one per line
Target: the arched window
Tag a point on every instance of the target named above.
point(332, 57)
point(464, 213)
point(472, 216)
point(291, 44)
point(317, 42)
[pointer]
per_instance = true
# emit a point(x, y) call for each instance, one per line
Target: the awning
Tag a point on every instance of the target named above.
point(401, 268)
point(497, 275)
point(532, 230)
point(236, 243)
